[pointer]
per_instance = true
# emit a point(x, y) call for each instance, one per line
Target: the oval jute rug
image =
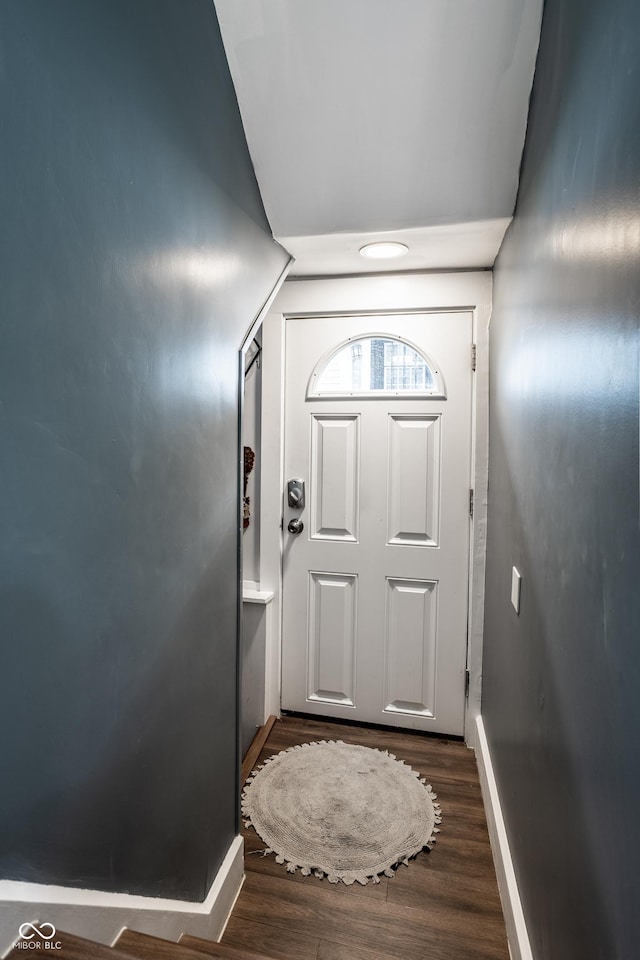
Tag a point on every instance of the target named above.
point(339, 810)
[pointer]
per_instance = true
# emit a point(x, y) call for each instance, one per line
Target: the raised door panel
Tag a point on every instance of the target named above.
point(335, 449)
point(413, 490)
point(410, 647)
point(332, 638)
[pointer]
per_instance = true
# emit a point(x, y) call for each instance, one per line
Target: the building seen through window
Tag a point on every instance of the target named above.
point(376, 364)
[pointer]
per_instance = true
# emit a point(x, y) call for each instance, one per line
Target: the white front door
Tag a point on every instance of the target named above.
point(375, 586)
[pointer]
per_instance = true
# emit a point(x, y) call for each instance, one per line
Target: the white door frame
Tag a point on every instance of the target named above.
point(373, 294)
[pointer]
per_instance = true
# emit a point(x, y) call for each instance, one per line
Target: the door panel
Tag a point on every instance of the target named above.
point(375, 587)
point(334, 470)
point(332, 638)
point(414, 480)
point(410, 647)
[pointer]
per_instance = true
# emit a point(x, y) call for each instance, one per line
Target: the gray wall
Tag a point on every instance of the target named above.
point(135, 255)
point(561, 681)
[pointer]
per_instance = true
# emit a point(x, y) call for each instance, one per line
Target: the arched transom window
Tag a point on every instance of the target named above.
point(376, 365)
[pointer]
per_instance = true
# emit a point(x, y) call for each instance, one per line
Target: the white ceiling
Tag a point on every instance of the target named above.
point(400, 117)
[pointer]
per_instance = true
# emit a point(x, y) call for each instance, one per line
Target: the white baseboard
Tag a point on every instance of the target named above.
point(102, 916)
point(519, 945)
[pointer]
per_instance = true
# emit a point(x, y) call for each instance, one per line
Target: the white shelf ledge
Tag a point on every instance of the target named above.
point(251, 594)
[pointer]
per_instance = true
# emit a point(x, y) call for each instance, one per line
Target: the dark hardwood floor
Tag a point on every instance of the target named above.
point(443, 906)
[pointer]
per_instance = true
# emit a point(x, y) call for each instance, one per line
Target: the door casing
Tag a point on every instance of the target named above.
point(383, 293)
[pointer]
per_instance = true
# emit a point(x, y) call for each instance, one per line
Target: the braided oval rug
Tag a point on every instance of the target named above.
point(339, 810)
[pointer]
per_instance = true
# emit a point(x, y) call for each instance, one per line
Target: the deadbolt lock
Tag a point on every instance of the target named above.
point(295, 494)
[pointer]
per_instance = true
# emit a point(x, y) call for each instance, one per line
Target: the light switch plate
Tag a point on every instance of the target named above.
point(516, 580)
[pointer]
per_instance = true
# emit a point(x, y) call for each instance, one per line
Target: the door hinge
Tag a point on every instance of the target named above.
point(466, 684)
point(471, 504)
point(474, 356)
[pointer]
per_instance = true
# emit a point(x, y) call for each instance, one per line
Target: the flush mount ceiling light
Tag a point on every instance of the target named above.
point(384, 251)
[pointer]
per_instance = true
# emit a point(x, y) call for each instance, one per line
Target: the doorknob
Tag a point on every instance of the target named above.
point(295, 526)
